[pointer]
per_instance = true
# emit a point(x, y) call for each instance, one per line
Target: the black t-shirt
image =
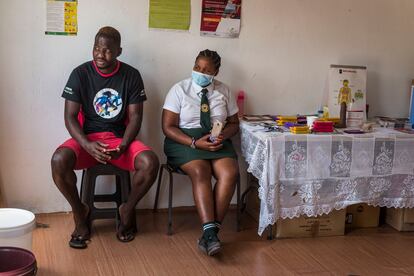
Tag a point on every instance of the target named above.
point(104, 100)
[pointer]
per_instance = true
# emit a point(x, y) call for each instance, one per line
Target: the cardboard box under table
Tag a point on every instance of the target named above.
point(332, 224)
point(401, 219)
point(362, 216)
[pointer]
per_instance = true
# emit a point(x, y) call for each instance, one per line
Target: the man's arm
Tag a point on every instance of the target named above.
point(135, 112)
point(96, 149)
point(72, 124)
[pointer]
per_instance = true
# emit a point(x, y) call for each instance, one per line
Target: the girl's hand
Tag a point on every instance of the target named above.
point(205, 144)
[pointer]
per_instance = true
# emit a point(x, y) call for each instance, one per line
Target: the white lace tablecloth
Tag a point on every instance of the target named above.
point(314, 174)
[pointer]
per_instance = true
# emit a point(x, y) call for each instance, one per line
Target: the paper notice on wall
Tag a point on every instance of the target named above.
point(347, 84)
point(220, 18)
point(169, 14)
point(62, 17)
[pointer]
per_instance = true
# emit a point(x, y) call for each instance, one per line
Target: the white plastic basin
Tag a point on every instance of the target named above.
point(16, 227)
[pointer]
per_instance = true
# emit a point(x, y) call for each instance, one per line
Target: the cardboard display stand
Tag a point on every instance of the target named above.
point(347, 83)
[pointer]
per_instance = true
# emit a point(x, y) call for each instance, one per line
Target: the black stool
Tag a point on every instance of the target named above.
point(87, 193)
point(171, 171)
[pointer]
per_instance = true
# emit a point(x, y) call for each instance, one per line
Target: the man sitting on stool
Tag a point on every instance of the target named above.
point(110, 95)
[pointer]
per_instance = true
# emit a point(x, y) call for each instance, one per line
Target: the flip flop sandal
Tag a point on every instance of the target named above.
point(126, 235)
point(78, 242)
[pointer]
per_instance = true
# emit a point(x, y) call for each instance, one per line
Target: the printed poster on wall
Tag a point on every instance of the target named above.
point(169, 14)
point(62, 17)
point(220, 18)
point(347, 84)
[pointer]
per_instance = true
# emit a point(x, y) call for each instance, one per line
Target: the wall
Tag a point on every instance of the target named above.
point(281, 61)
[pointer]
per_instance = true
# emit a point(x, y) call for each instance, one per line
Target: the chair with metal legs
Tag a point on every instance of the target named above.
point(171, 173)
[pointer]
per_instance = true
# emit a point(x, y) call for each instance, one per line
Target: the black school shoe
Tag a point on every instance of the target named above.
point(210, 246)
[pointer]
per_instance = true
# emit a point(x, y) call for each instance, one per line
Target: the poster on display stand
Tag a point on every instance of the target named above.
point(220, 18)
point(347, 84)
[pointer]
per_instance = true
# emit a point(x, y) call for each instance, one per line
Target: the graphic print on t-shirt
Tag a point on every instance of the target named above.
point(107, 103)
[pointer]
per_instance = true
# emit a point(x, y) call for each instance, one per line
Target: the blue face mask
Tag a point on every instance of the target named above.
point(201, 79)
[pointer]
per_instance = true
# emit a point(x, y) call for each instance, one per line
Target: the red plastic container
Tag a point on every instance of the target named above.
point(17, 262)
point(240, 102)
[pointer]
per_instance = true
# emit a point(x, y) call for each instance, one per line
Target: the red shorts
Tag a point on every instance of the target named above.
point(125, 161)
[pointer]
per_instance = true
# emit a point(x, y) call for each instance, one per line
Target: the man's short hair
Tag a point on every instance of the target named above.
point(109, 33)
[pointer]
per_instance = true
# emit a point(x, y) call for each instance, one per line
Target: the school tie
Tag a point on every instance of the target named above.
point(205, 112)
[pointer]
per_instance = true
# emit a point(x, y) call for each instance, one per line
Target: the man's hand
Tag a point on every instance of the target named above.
point(205, 144)
point(98, 151)
point(116, 152)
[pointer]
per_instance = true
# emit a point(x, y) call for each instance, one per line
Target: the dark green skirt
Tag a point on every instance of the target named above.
point(179, 154)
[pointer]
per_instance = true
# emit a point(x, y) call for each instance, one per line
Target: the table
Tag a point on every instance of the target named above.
point(314, 174)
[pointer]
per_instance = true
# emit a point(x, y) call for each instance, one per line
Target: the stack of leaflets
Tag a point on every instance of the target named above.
point(299, 129)
point(282, 120)
point(389, 122)
point(257, 118)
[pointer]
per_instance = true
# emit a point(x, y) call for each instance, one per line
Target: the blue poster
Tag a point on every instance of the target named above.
point(412, 106)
